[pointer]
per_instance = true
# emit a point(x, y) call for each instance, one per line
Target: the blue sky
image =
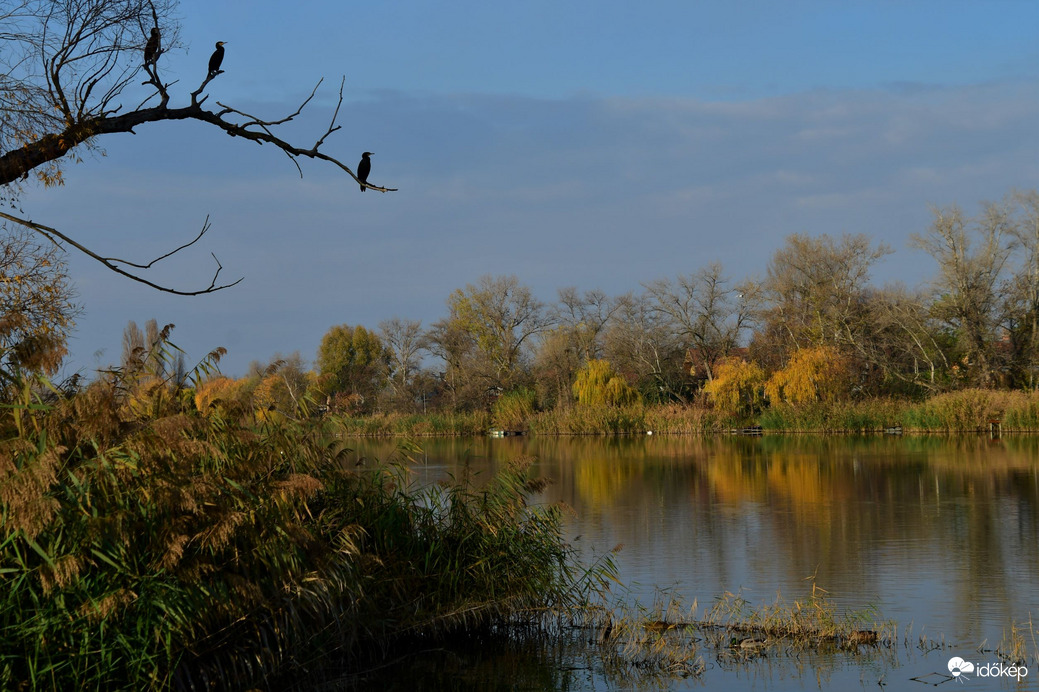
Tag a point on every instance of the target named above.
point(589, 144)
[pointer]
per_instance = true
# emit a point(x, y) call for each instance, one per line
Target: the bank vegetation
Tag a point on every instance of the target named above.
point(812, 345)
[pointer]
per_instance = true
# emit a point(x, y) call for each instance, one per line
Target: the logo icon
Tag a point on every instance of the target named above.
point(958, 666)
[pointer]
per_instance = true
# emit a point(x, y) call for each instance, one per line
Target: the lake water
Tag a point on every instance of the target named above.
point(940, 535)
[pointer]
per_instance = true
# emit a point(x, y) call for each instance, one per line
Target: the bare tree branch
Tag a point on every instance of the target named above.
point(19, 162)
point(112, 262)
point(64, 66)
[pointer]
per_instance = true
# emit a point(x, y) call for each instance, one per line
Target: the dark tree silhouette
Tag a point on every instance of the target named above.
point(64, 75)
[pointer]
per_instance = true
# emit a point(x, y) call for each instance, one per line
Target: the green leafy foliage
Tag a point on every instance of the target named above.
point(354, 361)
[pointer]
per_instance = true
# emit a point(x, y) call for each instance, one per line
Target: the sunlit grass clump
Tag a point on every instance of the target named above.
point(971, 410)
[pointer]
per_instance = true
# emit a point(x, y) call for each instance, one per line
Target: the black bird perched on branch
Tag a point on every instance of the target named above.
point(364, 168)
point(216, 59)
point(151, 49)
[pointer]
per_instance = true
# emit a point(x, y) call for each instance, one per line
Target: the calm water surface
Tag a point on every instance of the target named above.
point(941, 535)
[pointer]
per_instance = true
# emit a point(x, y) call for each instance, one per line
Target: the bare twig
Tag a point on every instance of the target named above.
point(205, 227)
point(110, 262)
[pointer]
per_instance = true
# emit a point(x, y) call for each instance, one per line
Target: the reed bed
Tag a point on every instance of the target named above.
point(512, 410)
point(462, 424)
point(807, 621)
point(1020, 644)
point(147, 545)
point(640, 646)
point(971, 410)
point(966, 411)
point(870, 415)
point(590, 420)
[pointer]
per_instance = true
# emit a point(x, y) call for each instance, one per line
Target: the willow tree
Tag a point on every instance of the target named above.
point(598, 385)
point(737, 387)
point(812, 375)
point(73, 72)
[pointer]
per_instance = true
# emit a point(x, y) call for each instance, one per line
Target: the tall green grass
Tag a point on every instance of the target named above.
point(146, 546)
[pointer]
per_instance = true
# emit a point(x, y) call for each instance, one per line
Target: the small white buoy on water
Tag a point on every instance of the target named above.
point(649, 432)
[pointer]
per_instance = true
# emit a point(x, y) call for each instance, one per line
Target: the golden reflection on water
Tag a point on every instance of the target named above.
point(943, 531)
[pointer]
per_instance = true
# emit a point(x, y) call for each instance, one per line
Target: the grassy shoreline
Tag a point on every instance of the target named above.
point(965, 411)
point(147, 545)
point(149, 542)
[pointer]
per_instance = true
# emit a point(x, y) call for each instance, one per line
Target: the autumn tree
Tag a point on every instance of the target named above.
point(354, 361)
point(36, 308)
point(404, 341)
point(583, 317)
point(73, 72)
point(906, 348)
point(283, 388)
point(972, 255)
point(816, 374)
point(598, 385)
point(461, 384)
point(706, 312)
point(556, 362)
point(640, 345)
point(1023, 291)
point(579, 323)
point(737, 387)
point(502, 316)
point(814, 291)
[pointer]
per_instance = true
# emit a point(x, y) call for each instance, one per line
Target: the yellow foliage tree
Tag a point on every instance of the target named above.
point(598, 385)
point(812, 374)
point(36, 309)
point(737, 386)
point(215, 394)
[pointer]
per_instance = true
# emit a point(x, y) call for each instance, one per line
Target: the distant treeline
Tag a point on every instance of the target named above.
point(813, 331)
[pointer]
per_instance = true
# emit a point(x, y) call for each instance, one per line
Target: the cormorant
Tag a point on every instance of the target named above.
point(151, 49)
point(364, 168)
point(216, 59)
